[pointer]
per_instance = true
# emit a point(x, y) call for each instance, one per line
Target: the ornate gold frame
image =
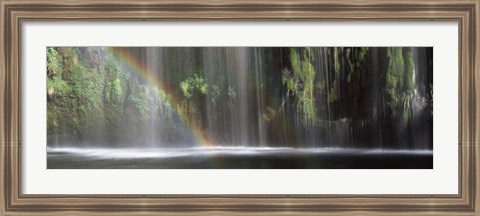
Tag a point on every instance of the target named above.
point(14, 12)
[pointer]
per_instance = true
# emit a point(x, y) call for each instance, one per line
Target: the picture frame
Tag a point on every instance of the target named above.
point(14, 13)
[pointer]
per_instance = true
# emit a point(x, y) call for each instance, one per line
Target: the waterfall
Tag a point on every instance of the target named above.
point(296, 97)
point(260, 95)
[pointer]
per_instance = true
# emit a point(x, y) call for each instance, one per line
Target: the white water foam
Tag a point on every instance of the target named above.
point(135, 153)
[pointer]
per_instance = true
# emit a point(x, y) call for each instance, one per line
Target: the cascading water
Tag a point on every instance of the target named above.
point(272, 99)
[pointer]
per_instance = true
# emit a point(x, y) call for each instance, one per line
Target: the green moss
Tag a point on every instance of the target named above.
point(54, 62)
point(409, 67)
point(336, 59)
point(192, 84)
point(140, 104)
point(186, 89)
point(399, 82)
point(302, 73)
point(269, 114)
point(231, 92)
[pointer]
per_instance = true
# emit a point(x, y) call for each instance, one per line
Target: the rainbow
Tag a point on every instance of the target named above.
point(141, 69)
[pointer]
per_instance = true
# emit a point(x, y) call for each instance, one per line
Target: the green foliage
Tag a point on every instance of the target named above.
point(289, 81)
point(336, 59)
point(231, 92)
point(114, 83)
point(295, 61)
point(195, 83)
point(56, 86)
point(91, 91)
point(332, 95)
point(399, 82)
point(398, 66)
point(140, 104)
point(198, 93)
point(269, 114)
point(186, 89)
point(117, 88)
point(360, 55)
point(409, 67)
point(302, 73)
point(215, 92)
point(199, 83)
point(54, 62)
point(395, 69)
point(87, 87)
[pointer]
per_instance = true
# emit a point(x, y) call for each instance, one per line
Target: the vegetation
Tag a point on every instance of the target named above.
point(283, 96)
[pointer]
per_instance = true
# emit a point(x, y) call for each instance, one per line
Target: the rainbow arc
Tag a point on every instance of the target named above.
point(142, 70)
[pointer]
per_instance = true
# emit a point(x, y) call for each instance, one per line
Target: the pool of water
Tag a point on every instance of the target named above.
point(237, 158)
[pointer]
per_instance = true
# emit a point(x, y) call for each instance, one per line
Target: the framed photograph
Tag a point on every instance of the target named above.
point(239, 108)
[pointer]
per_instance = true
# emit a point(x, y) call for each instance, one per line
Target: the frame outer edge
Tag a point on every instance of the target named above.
point(472, 67)
point(476, 128)
point(2, 109)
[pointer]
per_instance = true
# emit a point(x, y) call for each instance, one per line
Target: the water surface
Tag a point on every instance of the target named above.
point(237, 158)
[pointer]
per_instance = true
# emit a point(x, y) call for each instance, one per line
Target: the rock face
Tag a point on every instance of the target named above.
point(308, 97)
